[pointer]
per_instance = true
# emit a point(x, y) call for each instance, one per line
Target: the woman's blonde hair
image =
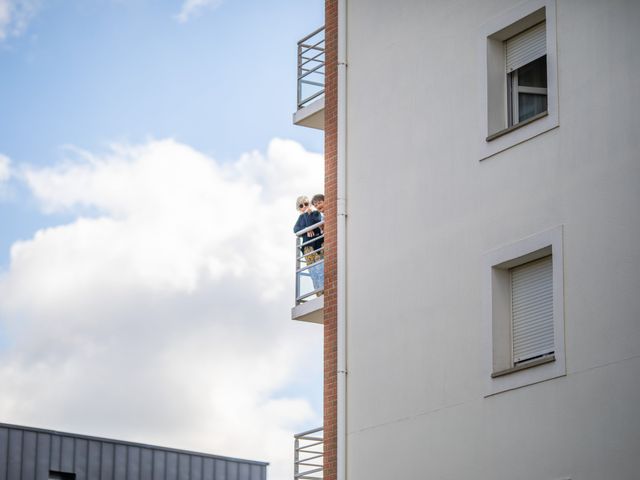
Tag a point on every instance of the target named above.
point(301, 199)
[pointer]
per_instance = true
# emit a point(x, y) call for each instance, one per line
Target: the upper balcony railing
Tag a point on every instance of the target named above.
point(308, 456)
point(309, 263)
point(311, 67)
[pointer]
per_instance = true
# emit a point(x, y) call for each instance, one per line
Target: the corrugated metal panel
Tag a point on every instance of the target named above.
point(133, 463)
point(30, 454)
point(4, 443)
point(526, 47)
point(55, 452)
point(95, 449)
point(221, 469)
point(171, 466)
point(244, 473)
point(196, 468)
point(44, 455)
point(14, 469)
point(184, 467)
point(81, 458)
point(158, 464)
point(532, 309)
point(146, 464)
point(29, 445)
point(106, 460)
point(208, 469)
point(232, 472)
point(66, 454)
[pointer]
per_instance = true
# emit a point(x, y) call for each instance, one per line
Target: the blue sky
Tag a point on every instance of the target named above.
point(91, 72)
point(148, 176)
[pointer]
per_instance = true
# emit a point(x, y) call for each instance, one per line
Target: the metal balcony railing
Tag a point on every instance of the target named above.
point(309, 264)
point(309, 452)
point(311, 67)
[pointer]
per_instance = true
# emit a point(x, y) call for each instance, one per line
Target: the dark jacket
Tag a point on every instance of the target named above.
point(306, 220)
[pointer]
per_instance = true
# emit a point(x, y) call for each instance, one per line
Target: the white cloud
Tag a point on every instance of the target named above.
point(191, 8)
point(5, 168)
point(15, 16)
point(161, 313)
point(6, 172)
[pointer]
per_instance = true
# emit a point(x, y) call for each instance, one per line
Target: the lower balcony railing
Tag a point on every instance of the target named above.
point(308, 457)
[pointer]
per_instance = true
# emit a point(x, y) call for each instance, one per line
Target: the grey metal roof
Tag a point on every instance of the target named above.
point(28, 453)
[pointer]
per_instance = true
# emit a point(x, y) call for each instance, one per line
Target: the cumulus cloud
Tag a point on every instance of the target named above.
point(5, 175)
point(15, 16)
point(192, 8)
point(160, 314)
point(5, 168)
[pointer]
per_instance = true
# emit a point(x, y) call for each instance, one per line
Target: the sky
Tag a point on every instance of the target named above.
point(148, 176)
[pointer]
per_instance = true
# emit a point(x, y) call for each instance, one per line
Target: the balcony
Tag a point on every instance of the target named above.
point(308, 455)
point(309, 301)
point(311, 60)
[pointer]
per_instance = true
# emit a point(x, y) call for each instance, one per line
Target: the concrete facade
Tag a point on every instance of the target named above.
point(425, 206)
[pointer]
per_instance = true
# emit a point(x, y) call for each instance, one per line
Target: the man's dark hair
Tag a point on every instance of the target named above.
point(317, 197)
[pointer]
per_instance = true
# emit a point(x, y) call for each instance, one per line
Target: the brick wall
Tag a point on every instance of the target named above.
point(330, 274)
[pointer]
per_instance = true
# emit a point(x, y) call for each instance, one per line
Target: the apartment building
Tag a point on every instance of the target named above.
point(481, 298)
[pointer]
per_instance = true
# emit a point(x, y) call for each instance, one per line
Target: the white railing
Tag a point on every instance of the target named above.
point(309, 264)
point(310, 67)
point(309, 452)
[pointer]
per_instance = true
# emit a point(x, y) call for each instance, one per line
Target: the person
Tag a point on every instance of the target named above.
point(307, 218)
point(318, 202)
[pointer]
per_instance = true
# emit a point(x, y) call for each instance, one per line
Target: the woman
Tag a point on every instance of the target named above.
point(311, 248)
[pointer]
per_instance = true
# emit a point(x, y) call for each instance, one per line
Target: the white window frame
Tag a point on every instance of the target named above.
point(495, 135)
point(499, 371)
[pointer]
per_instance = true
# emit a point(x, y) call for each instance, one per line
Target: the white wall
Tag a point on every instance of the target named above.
point(422, 210)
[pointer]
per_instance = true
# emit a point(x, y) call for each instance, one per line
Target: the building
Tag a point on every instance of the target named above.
point(36, 454)
point(481, 307)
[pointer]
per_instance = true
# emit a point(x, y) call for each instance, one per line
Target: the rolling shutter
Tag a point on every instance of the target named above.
point(526, 47)
point(532, 309)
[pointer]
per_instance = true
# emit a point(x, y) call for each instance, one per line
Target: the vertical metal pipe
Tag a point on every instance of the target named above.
point(296, 458)
point(299, 75)
point(297, 273)
point(341, 241)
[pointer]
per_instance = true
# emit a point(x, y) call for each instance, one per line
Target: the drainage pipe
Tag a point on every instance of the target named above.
point(341, 244)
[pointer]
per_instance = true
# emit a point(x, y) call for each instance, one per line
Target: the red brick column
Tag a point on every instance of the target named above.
point(330, 241)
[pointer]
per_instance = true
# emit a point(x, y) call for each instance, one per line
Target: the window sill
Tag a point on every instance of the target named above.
point(524, 366)
point(510, 129)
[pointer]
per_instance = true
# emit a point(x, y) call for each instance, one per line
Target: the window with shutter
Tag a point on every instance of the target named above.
point(519, 75)
point(532, 310)
point(526, 69)
point(526, 47)
point(524, 313)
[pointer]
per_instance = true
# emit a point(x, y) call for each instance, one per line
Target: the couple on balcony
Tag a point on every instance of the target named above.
point(312, 240)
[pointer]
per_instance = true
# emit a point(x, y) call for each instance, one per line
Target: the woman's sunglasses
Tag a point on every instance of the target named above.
point(305, 204)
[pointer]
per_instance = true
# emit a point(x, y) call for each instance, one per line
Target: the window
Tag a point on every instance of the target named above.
point(531, 311)
point(526, 69)
point(524, 319)
point(61, 475)
point(520, 99)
